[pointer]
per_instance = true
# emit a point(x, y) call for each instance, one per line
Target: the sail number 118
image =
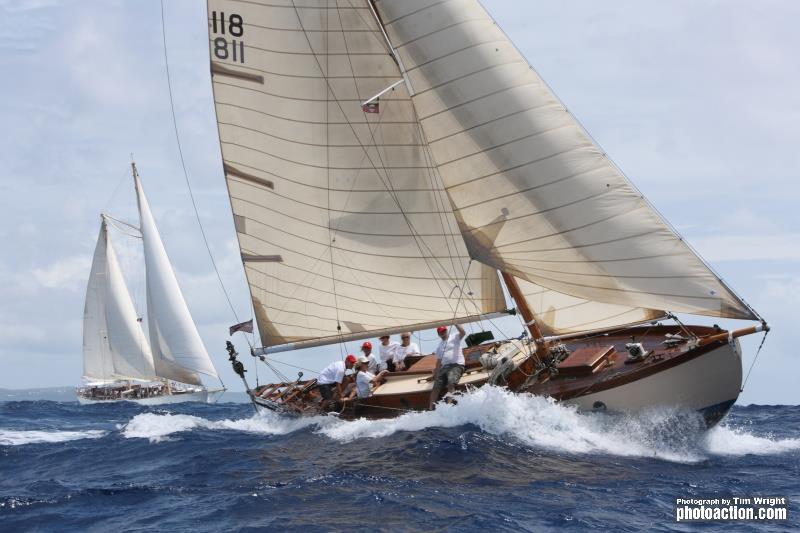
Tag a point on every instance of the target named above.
point(233, 25)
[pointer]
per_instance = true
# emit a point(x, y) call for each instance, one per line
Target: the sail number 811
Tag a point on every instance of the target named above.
point(234, 25)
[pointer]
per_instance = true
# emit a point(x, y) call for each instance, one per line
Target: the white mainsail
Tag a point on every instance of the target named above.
point(343, 224)
point(114, 345)
point(533, 194)
point(354, 219)
point(178, 351)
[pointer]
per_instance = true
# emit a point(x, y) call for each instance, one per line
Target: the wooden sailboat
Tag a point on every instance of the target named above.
point(392, 165)
point(119, 362)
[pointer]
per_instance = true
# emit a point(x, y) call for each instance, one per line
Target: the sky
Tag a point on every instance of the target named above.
point(697, 101)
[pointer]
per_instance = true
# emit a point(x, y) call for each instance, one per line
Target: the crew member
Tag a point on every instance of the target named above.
point(374, 364)
point(404, 351)
point(366, 380)
point(450, 363)
point(334, 375)
point(387, 351)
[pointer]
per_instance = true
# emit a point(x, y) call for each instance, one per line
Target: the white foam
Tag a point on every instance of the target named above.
point(518, 418)
point(158, 427)
point(533, 421)
point(727, 440)
point(10, 437)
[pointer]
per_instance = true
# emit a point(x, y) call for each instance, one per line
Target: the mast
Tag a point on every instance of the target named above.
point(527, 314)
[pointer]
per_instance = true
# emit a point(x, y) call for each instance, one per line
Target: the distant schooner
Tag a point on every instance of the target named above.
point(119, 362)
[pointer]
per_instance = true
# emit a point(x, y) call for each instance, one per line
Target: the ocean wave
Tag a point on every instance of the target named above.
point(159, 427)
point(533, 421)
point(733, 441)
point(10, 437)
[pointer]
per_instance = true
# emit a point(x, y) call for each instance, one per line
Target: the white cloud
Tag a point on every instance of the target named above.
point(69, 273)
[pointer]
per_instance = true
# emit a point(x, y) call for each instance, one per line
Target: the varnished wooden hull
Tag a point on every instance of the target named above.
point(687, 377)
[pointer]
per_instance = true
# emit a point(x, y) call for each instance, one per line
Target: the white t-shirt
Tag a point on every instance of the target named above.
point(333, 373)
point(363, 385)
point(375, 366)
point(449, 351)
point(388, 352)
point(403, 351)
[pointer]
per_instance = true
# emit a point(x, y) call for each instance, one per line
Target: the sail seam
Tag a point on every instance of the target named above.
point(342, 211)
point(563, 232)
point(476, 99)
point(555, 281)
point(453, 25)
point(389, 23)
point(310, 165)
point(506, 143)
point(298, 121)
point(626, 259)
point(486, 123)
point(357, 285)
point(286, 75)
point(531, 188)
point(512, 168)
point(309, 185)
point(338, 229)
point(469, 47)
point(318, 145)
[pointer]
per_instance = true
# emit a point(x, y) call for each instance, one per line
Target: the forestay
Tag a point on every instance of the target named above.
point(178, 352)
point(532, 193)
point(114, 345)
point(343, 224)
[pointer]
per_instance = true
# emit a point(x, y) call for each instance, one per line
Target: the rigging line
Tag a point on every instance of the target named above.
point(442, 196)
point(387, 182)
point(372, 133)
point(764, 338)
point(183, 164)
point(122, 180)
point(385, 179)
point(289, 364)
point(331, 234)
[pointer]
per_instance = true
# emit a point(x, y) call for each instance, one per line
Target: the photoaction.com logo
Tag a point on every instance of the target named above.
point(734, 508)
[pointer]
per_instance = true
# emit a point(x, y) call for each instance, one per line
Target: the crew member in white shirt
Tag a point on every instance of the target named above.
point(365, 380)
point(374, 364)
point(450, 363)
point(333, 374)
point(386, 351)
point(406, 348)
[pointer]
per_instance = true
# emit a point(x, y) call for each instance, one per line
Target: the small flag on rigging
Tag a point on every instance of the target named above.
point(247, 327)
point(371, 107)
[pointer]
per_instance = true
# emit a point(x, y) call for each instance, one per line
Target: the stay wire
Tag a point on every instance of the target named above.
point(183, 165)
point(764, 338)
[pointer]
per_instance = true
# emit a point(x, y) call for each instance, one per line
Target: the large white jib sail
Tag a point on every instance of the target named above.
point(357, 214)
point(178, 351)
point(114, 345)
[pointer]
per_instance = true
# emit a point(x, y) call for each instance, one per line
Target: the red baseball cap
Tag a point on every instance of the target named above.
point(441, 329)
point(350, 359)
point(366, 345)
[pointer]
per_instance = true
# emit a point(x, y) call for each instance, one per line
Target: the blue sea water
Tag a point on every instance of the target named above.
point(494, 461)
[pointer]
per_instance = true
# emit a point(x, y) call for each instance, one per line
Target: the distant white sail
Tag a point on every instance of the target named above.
point(114, 345)
point(178, 352)
point(344, 227)
point(533, 194)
